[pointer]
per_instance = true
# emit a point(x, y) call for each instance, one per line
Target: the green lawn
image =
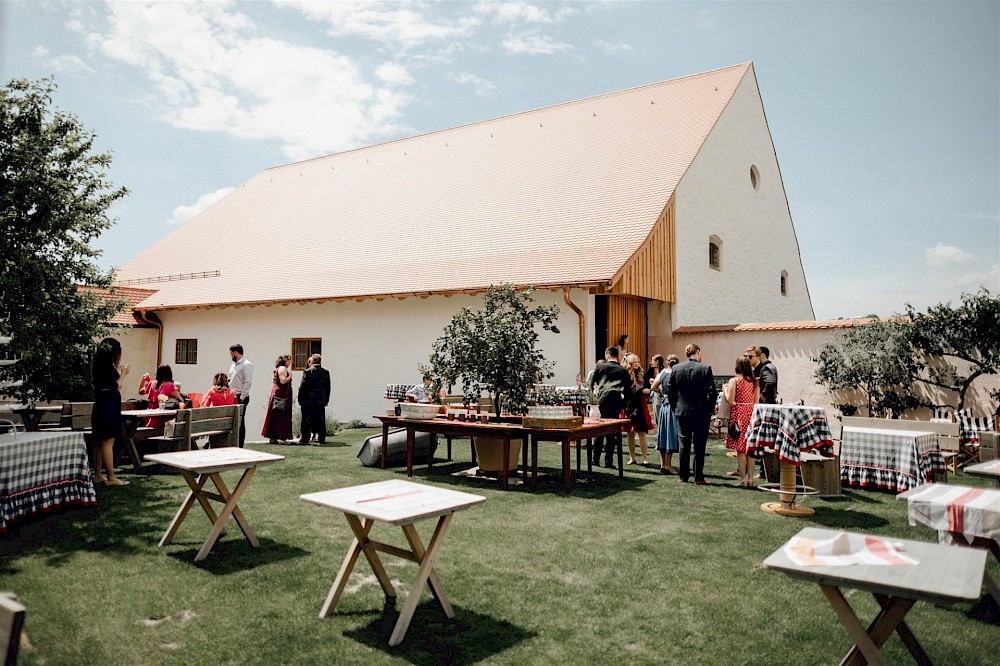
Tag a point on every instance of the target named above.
point(640, 570)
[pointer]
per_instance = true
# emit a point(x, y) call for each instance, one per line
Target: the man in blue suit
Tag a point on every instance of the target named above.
point(691, 392)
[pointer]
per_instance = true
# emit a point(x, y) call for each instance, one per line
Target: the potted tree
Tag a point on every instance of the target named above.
point(495, 349)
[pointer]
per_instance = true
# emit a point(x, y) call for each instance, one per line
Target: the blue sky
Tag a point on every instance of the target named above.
point(885, 115)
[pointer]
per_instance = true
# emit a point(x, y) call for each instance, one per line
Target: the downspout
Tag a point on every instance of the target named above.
point(159, 334)
point(583, 333)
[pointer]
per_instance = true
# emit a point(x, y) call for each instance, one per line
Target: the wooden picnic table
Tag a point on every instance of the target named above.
point(130, 424)
point(32, 416)
point(989, 469)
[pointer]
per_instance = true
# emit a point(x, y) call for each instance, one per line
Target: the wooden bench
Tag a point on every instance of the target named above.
point(220, 424)
point(947, 435)
point(11, 626)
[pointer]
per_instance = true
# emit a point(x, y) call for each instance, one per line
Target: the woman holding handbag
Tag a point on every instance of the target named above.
point(278, 421)
point(741, 393)
point(667, 431)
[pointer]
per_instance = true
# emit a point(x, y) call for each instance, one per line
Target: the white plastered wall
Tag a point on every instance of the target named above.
point(366, 345)
point(716, 198)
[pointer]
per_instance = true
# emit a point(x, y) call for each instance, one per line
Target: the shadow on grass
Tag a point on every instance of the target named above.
point(114, 525)
point(233, 553)
point(841, 519)
point(433, 639)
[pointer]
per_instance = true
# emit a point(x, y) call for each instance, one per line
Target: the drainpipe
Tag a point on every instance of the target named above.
point(583, 333)
point(159, 333)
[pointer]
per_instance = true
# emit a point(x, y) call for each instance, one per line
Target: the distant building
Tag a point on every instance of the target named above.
point(637, 212)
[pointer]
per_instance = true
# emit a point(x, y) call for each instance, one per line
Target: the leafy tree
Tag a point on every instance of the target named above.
point(495, 348)
point(959, 343)
point(876, 359)
point(54, 201)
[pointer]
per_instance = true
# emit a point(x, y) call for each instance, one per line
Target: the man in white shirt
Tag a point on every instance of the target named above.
point(240, 380)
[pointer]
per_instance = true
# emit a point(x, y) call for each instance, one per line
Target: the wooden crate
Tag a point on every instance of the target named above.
point(823, 475)
point(989, 446)
point(564, 423)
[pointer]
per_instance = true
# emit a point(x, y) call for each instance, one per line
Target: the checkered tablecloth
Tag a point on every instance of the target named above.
point(40, 471)
point(888, 459)
point(969, 427)
point(397, 391)
point(970, 512)
point(789, 430)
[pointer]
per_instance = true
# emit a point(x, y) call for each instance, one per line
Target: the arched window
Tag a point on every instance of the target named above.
point(784, 283)
point(754, 177)
point(715, 252)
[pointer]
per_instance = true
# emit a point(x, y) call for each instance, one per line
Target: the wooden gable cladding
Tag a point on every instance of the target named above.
point(651, 272)
point(628, 315)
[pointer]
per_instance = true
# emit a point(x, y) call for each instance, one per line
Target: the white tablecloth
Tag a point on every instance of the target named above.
point(968, 511)
point(41, 471)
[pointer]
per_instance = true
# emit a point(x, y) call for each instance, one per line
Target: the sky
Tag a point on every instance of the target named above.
point(885, 116)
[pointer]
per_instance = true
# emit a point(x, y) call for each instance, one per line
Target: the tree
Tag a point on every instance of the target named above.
point(54, 201)
point(496, 348)
point(959, 343)
point(876, 359)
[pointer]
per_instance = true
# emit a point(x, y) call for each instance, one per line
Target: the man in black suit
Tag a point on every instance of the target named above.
point(691, 392)
point(612, 403)
point(314, 396)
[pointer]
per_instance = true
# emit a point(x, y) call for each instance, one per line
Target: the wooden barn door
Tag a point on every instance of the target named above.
point(624, 315)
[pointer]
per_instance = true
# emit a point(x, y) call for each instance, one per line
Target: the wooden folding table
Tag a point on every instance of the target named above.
point(209, 464)
point(943, 575)
point(401, 503)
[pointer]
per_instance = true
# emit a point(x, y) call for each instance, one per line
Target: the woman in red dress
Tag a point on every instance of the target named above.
point(637, 411)
point(742, 392)
point(220, 394)
point(278, 421)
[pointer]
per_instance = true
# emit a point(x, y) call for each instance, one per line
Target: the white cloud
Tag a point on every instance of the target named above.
point(533, 43)
point(480, 87)
point(513, 12)
point(40, 51)
point(184, 213)
point(395, 74)
point(611, 47)
point(989, 278)
point(383, 21)
point(945, 255)
point(212, 70)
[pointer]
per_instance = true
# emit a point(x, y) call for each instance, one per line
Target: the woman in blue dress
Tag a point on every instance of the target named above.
point(666, 426)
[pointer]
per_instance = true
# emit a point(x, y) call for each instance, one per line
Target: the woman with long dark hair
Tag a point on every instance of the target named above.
point(108, 375)
point(164, 386)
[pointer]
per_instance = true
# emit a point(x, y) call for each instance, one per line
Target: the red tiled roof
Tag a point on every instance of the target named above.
point(774, 326)
point(133, 296)
point(525, 199)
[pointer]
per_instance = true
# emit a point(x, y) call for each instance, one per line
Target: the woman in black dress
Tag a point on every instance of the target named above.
point(106, 419)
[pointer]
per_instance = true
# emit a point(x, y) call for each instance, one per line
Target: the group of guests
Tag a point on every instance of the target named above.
point(684, 399)
point(108, 375)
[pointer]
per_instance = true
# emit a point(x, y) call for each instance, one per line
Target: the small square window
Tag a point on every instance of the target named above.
point(186, 352)
point(302, 349)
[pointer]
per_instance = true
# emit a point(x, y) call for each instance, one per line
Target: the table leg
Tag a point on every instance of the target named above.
point(129, 426)
point(867, 642)
point(534, 461)
point(431, 446)
point(385, 444)
point(237, 514)
point(504, 472)
point(590, 444)
point(357, 546)
point(227, 510)
point(621, 462)
point(567, 465)
point(409, 451)
point(424, 571)
point(417, 546)
point(787, 506)
point(905, 635)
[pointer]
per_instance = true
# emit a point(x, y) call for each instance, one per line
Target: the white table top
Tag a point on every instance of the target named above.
point(146, 413)
point(944, 574)
point(396, 502)
point(215, 460)
point(990, 468)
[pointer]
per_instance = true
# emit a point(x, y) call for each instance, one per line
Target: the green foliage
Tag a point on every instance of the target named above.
point(876, 359)
point(355, 424)
point(548, 396)
point(959, 343)
point(54, 201)
point(496, 348)
point(596, 393)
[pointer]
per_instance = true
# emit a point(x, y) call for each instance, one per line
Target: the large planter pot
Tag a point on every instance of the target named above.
point(489, 453)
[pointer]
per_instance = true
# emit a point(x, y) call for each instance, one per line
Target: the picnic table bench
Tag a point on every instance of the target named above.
point(220, 424)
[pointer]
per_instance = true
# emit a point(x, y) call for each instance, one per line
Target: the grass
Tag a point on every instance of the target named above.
point(640, 569)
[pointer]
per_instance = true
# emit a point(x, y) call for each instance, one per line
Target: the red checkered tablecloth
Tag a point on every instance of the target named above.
point(789, 429)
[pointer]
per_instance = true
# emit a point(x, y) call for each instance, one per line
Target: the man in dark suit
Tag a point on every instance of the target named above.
point(612, 403)
point(314, 396)
point(691, 392)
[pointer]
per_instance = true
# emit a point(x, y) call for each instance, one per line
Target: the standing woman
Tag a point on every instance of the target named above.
point(106, 419)
point(742, 392)
point(637, 411)
point(278, 421)
point(667, 442)
point(652, 372)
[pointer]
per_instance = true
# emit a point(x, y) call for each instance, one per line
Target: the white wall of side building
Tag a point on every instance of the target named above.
point(716, 197)
point(366, 345)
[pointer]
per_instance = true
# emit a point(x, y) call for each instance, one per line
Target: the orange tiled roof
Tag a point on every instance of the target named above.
point(133, 296)
point(774, 326)
point(530, 199)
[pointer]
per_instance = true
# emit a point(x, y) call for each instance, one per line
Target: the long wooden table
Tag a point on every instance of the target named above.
point(401, 503)
point(943, 575)
point(208, 464)
point(506, 431)
point(130, 424)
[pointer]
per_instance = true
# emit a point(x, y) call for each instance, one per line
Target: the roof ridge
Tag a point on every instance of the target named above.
point(526, 112)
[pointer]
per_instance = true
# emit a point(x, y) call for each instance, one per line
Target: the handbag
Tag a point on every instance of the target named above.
point(734, 430)
point(279, 404)
point(172, 403)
